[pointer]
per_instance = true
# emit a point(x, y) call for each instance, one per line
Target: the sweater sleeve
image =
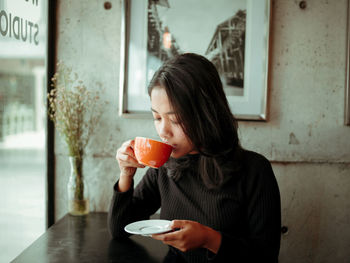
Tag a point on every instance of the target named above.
point(135, 204)
point(263, 214)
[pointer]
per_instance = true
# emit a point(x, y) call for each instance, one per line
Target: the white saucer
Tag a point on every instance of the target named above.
point(148, 227)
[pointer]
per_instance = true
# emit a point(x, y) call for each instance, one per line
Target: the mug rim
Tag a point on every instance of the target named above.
point(153, 140)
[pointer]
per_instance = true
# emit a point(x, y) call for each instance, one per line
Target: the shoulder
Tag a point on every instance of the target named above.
point(254, 161)
point(248, 165)
point(257, 172)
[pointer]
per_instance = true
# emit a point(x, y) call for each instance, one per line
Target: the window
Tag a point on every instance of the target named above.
point(23, 34)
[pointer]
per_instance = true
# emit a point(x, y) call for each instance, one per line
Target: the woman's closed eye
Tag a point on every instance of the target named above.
point(175, 122)
point(156, 118)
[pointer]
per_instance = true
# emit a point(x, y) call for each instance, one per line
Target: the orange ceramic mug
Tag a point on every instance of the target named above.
point(151, 152)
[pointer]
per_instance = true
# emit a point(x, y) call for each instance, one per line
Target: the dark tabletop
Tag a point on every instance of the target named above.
point(86, 239)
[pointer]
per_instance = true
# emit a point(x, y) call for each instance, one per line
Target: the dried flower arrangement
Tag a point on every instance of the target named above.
point(73, 109)
point(75, 112)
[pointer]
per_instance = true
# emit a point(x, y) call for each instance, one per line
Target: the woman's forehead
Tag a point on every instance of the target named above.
point(160, 102)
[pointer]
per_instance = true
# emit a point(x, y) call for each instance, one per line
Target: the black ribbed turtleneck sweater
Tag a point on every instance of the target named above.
point(246, 209)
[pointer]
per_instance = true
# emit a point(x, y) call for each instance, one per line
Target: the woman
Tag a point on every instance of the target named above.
point(224, 201)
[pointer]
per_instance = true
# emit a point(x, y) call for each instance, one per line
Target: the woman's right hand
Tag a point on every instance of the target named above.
point(127, 164)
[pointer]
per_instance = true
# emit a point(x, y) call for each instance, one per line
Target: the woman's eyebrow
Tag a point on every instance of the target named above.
point(168, 113)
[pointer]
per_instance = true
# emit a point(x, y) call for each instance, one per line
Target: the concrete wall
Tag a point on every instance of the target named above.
point(305, 138)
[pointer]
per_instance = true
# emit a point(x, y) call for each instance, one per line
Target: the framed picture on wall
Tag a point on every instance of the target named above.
point(234, 35)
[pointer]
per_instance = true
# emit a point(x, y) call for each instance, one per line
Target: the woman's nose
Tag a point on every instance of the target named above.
point(165, 130)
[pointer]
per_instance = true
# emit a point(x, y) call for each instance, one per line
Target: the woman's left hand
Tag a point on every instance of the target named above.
point(190, 235)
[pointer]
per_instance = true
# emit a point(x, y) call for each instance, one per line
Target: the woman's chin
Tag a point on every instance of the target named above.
point(175, 154)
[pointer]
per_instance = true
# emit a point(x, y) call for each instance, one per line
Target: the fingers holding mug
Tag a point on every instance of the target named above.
point(126, 157)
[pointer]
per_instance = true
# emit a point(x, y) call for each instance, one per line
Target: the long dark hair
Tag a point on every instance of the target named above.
point(195, 91)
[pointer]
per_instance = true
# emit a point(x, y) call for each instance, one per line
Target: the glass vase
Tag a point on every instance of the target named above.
point(78, 199)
